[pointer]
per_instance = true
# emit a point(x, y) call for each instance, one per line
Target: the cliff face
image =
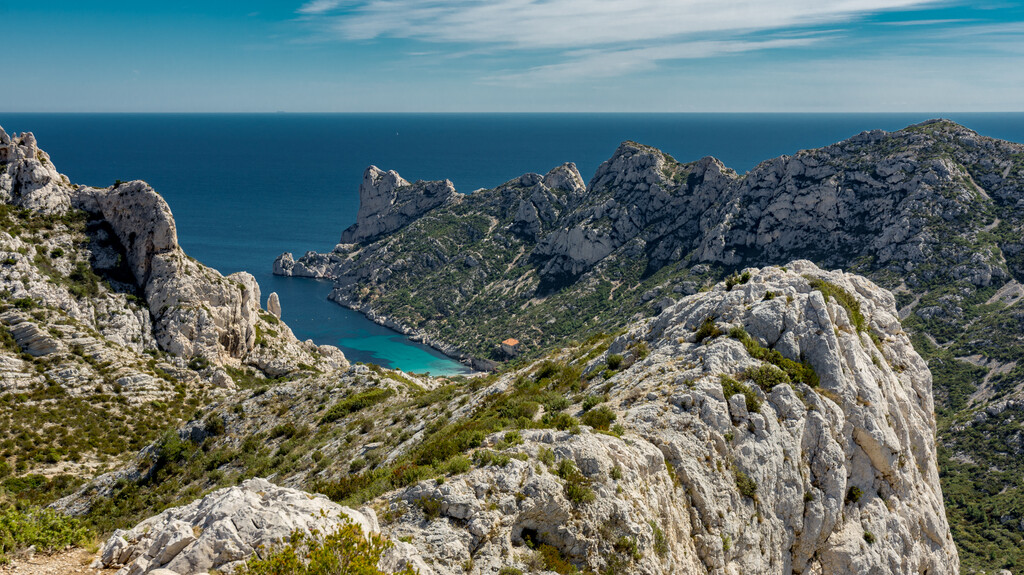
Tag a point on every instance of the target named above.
point(388, 203)
point(103, 317)
point(778, 423)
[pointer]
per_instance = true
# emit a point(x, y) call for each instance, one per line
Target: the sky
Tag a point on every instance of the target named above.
point(513, 56)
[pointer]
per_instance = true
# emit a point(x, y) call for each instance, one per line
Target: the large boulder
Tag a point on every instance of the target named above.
point(223, 529)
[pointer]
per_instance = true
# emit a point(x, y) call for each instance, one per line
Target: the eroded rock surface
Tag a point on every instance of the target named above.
point(387, 203)
point(223, 529)
point(836, 478)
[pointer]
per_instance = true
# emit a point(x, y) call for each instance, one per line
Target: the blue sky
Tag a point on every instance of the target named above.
point(513, 56)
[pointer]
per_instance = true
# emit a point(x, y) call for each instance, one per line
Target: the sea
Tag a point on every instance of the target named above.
point(246, 187)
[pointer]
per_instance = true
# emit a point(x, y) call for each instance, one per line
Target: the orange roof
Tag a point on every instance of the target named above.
point(511, 341)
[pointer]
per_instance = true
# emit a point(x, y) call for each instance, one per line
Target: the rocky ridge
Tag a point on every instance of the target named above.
point(781, 422)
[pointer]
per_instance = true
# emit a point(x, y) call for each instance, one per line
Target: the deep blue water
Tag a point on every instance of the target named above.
point(244, 188)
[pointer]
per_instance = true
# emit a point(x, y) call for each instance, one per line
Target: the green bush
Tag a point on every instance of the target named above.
point(577, 486)
point(356, 402)
point(707, 330)
point(431, 507)
point(343, 552)
point(560, 421)
point(600, 418)
point(46, 529)
point(614, 361)
point(736, 279)
point(592, 401)
point(766, 376)
point(731, 387)
point(802, 372)
point(843, 298)
point(746, 485)
point(854, 494)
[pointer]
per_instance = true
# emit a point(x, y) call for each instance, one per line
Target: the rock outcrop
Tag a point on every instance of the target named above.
point(98, 302)
point(781, 477)
point(28, 178)
point(196, 311)
point(780, 422)
point(222, 530)
point(388, 203)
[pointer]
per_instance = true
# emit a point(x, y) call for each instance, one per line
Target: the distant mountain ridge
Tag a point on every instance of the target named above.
point(933, 212)
point(884, 204)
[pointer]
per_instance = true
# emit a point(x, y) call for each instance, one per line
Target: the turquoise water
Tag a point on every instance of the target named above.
point(244, 188)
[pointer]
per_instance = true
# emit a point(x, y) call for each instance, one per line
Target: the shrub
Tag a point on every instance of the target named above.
point(766, 376)
point(736, 279)
point(746, 485)
point(456, 465)
point(592, 401)
point(854, 494)
point(600, 418)
point(577, 486)
point(660, 541)
point(731, 387)
point(802, 372)
point(485, 457)
point(869, 537)
point(555, 561)
point(45, 529)
point(214, 424)
point(627, 546)
point(843, 298)
point(614, 361)
point(707, 330)
point(560, 421)
point(546, 456)
point(355, 402)
point(431, 507)
point(553, 402)
point(342, 552)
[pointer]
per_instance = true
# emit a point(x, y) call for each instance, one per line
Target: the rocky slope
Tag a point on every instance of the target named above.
point(109, 332)
point(779, 423)
point(931, 212)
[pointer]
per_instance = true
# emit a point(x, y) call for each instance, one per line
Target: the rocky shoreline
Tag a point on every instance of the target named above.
point(286, 265)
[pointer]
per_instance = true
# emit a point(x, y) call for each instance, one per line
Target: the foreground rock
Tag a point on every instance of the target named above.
point(223, 529)
point(836, 478)
point(727, 454)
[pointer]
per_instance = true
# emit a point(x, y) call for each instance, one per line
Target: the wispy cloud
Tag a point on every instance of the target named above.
point(320, 6)
point(567, 24)
point(560, 40)
point(611, 63)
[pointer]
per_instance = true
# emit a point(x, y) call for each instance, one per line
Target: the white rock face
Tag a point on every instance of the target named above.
point(227, 526)
point(28, 177)
point(274, 305)
point(196, 311)
point(387, 202)
point(839, 478)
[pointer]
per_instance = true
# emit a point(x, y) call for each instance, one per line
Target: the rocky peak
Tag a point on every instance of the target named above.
point(388, 203)
point(28, 178)
point(548, 198)
point(632, 165)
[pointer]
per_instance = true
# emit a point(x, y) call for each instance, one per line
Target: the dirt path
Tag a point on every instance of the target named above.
point(73, 562)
